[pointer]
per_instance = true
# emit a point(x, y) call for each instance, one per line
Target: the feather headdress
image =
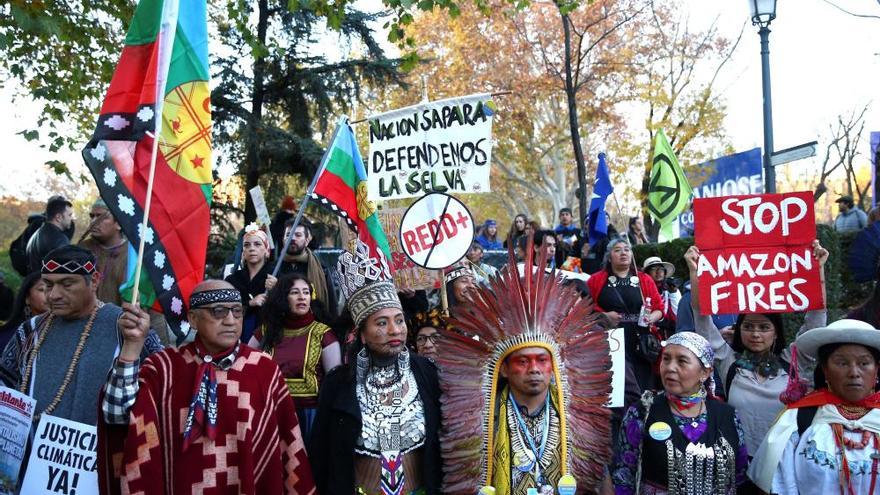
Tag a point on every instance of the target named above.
point(524, 307)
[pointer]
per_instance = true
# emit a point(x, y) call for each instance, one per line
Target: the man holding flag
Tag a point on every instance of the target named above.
point(668, 192)
point(212, 416)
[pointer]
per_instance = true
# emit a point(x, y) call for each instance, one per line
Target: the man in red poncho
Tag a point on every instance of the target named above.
point(213, 416)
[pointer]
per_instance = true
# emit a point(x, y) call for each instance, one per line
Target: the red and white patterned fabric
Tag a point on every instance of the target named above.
point(258, 448)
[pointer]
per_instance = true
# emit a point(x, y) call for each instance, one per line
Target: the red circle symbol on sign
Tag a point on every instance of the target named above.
point(436, 231)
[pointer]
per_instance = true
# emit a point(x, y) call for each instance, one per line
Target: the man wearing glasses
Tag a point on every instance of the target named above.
point(214, 414)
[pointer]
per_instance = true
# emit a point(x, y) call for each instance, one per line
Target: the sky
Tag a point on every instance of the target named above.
point(823, 63)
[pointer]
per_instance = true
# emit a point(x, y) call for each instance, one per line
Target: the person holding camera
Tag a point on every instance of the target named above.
point(661, 271)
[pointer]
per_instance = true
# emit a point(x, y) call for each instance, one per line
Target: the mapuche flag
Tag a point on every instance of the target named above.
point(669, 192)
point(341, 186)
point(160, 87)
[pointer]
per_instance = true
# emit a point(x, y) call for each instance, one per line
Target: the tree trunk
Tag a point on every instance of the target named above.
point(571, 96)
point(252, 176)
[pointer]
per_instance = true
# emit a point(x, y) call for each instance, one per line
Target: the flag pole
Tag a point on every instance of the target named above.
point(343, 120)
point(168, 25)
point(144, 223)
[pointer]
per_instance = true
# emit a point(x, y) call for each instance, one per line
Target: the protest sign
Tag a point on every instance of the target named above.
point(436, 231)
point(407, 275)
point(756, 254)
point(618, 367)
point(441, 146)
point(16, 411)
point(63, 459)
point(739, 173)
point(260, 206)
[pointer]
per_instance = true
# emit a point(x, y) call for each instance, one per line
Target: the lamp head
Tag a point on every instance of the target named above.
point(762, 11)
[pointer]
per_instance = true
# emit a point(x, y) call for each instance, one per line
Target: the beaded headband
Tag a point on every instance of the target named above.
point(371, 298)
point(457, 273)
point(70, 267)
point(206, 297)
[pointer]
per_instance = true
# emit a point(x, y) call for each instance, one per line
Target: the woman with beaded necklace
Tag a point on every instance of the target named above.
point(376, 428)
point(682, 440)
point(829, 441)
point(754, 367)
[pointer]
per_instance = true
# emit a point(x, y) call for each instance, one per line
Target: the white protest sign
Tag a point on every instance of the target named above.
point(618, 367)
point(436, 231)
point(63, 459)
point(440, 146)
point(260, 206)
point(16, 411)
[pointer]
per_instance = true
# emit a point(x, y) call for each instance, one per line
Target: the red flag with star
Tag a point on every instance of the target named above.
point(160, 87)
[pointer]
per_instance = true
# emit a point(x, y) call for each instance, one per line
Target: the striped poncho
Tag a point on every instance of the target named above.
point(258, 448)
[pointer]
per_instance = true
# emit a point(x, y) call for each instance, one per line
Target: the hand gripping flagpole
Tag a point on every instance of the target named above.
point(144, 224)
point(305, 201)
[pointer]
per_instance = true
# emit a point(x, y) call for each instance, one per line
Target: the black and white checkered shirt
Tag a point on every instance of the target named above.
point(120, 391)
point(122, 386)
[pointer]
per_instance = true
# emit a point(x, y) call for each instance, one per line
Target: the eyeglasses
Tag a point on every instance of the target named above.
point(423, 339)
point(220, 312)
point(757, 327)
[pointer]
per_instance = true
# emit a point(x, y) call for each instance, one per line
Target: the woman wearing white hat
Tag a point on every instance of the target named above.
point(829, 441)
point(662, 271)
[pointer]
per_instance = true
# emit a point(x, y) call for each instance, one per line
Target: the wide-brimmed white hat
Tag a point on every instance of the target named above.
point(655, 260)
point(839, 332)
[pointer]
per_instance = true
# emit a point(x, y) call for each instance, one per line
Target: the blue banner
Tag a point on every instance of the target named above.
point(730, 175)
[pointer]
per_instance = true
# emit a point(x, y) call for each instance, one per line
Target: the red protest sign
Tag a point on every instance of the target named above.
point(756, 254)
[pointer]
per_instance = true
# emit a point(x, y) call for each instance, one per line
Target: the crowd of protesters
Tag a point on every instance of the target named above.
point(730, 391)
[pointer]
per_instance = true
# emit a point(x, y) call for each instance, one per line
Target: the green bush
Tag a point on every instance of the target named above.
point(10, 276)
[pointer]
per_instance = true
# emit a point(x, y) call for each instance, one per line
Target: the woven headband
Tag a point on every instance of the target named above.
point(70, 267)
point(206, 297)
point(458, 273)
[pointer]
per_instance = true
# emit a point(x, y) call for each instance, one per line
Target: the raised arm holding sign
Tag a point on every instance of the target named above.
point(756, 254)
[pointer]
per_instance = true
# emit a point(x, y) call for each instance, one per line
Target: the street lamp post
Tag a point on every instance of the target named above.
point(763, 12)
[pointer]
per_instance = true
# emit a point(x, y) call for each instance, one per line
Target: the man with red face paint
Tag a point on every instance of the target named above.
point(532, 419)
point(512, 385)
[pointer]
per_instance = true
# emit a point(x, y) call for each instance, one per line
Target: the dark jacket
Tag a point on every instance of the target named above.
point(45, 239)
point(276, 229)
point(338, 425)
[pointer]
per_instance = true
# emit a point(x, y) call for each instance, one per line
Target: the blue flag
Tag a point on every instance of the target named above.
point(602, 188)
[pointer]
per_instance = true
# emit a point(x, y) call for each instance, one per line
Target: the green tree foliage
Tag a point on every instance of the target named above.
point(62, 53)
point(278, 89)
